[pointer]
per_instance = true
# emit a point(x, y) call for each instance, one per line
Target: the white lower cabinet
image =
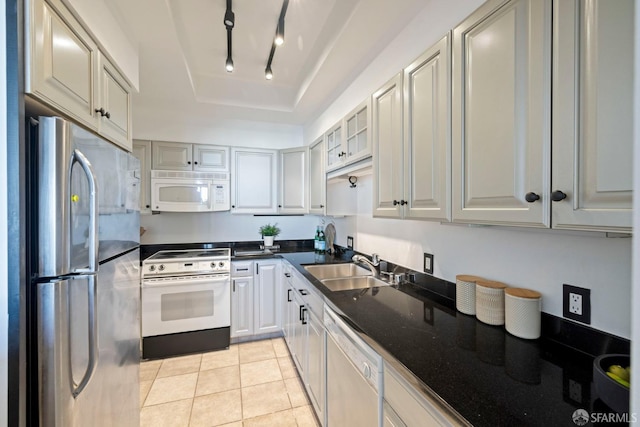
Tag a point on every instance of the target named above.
point(306, 337)
point(255, 303)
point(404, 406)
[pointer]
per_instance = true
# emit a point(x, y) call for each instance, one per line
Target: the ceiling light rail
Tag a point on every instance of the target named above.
point(278, 39)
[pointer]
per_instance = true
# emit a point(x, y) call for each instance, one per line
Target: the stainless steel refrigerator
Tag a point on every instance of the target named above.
point(85, 291)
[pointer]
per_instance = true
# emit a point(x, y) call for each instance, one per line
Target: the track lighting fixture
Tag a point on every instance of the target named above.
point(277, 41)
point(229, 23)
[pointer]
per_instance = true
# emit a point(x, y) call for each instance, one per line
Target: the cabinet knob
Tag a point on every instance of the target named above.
point(342, 154)
point(321, 206)
point(531, 197)
point(233, 206)
point(279, 206)
point(101, 111)
point(403, 202)
point(188, 162)
point(395, 202)
point(148, 206)
point(195, 163)
point(558, 195)
point(107, 115)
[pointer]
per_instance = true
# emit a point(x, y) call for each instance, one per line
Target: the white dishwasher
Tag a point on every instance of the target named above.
point(354, 377)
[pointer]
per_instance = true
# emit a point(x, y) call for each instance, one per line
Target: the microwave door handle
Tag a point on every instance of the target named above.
point(76, 389)
point(93, 210)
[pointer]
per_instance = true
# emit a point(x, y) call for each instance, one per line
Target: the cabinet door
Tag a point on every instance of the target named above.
point(593, 114)
point(357, 143)
point(142, 151)
point(388, 174)
point(242, 306)
point(316, 368)
point(267, 297)
point(335, 152)
point(114, 101)
point(62, 61)
point(172, 156)
point(294, 181)
point(254, 181)
point(501, 114)
point(317, 178)
point(210, 158)
point(299, 331)
point(427, 136)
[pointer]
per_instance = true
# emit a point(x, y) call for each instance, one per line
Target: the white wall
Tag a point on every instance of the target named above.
point(537, 259)
point(169, 227)
point(209, 126)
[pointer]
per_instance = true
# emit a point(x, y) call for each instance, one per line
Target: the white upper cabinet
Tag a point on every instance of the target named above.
point(66, 70)
point(62, 61)
point(115, 103)
point(501, 114)
point(254, 176)
point(142, 151)
point(349, 140)
point(172, 156)
point(593, 115)
point(294, 181)
point(357, 140)
point(187, 157)
point(427, 134)
point(335, 154)
point(388, 174)
point(317, 178)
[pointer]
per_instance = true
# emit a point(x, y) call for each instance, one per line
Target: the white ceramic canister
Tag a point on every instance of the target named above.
point(466, 293)
point(522, 312)
point(490, 302)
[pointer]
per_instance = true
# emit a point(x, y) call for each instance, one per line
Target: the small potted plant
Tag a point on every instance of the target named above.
point(268, 233)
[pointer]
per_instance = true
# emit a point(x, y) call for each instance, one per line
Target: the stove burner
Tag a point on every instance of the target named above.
point(190, 253)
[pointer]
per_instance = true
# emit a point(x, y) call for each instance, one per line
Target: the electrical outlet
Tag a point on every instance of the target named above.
point(428, 263)
point(576, 303)
point(349, 242)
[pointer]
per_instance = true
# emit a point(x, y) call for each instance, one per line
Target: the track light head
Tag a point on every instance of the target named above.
point(279, 40)
point(229, 64)
point(268, 74)
point(229, 19)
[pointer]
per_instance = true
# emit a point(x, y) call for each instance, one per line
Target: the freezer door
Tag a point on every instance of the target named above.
point(87, 204)
point(89, 347)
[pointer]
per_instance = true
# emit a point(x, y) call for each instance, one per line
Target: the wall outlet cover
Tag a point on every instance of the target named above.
point(349, 242)
point(428, 263)
point(576, 303)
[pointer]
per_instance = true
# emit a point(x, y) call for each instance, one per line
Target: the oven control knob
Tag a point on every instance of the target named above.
point(152, 267)
point(221, 264)
point(161, 267)
point(213, 265)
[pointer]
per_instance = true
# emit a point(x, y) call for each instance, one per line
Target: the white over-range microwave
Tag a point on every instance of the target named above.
point(186, 191)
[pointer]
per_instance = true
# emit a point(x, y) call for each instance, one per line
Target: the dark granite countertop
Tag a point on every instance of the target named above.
point(485, 374)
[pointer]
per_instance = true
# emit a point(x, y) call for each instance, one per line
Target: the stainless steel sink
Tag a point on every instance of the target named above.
point(350, 283)
point(336, 271)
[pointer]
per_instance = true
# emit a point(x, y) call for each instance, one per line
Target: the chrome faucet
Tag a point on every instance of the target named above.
point(370, 264)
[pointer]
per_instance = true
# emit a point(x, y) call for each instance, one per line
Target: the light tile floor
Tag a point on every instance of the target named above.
point(250, 384)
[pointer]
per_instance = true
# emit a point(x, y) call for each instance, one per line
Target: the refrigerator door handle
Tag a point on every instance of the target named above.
point(93, 208)
point(76, 389)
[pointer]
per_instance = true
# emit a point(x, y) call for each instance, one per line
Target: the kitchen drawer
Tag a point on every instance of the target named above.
point(241, 268)
point(413, 409)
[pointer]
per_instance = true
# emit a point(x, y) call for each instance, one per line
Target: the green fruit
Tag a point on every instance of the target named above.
point(619, 380)
point(619, 371)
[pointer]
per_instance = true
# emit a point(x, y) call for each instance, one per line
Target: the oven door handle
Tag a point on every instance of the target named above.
point(221, 279)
